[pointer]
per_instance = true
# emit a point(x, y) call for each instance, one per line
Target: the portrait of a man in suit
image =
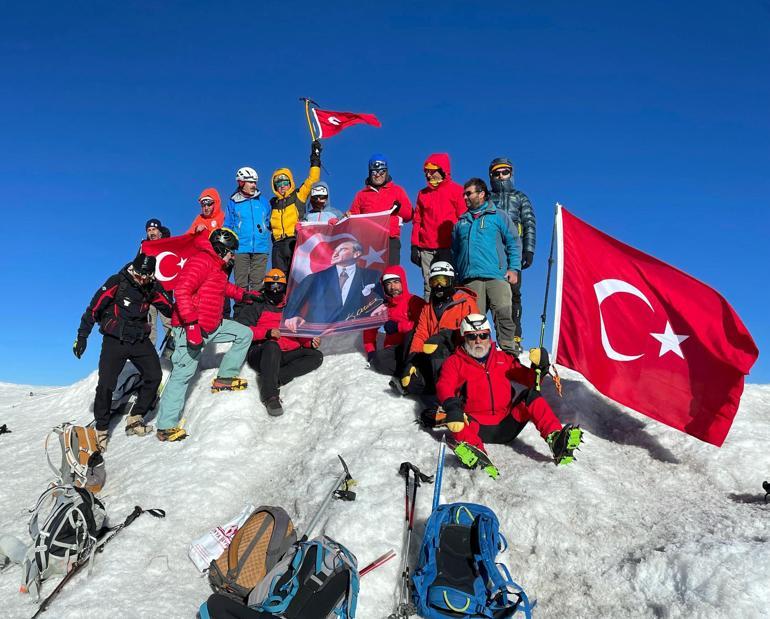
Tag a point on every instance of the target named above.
point(343, 291)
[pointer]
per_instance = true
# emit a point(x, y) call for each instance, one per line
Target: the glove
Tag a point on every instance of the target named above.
point(415, 256)
point(526, 259)
point(249, 297)
point(390, 327)
point(455, 418)
point(396, 207)
point(442, 338)
point(79, 347)
point(194, 335)
point(315, 153)
point(538, 359)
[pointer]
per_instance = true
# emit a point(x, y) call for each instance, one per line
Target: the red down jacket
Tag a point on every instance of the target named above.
point(438, 208)
point(377, 199)
point(201, 289)
point(404, 309)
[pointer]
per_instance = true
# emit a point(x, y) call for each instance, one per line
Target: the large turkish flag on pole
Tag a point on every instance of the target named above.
point(646, 334)
point(331, 123)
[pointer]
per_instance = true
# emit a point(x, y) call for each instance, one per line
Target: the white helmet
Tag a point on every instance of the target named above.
point(474, 322)
point(246, 174)
point(441, 268)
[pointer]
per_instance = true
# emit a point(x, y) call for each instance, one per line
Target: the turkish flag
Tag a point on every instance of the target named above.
point(648, 335)
point(331, 123)
point(171, 254)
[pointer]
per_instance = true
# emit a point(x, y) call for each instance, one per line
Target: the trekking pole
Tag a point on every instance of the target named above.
point(439, 474)
point(99, 547)
point(381, 560)
point(344, 479)
point(547, 290)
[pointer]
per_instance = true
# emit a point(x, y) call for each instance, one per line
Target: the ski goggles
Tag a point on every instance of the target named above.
point(501, 172)
point(472, 337)
point(282, 183)
point(206, 202)
point(276, 287)
point(440, 281)
point(380, 172)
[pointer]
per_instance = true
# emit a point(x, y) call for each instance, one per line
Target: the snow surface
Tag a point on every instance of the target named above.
point(648, 523)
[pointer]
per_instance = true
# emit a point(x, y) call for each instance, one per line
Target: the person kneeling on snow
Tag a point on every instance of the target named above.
point(121, 306)
point(200, 293)
point(437, 333)
point(487, 395)
point(403, 311)
point(277, 359)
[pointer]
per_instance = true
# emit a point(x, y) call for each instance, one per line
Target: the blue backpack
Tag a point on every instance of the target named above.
point(316, 579)
point(456, 574)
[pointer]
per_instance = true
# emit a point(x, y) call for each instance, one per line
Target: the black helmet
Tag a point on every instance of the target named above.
point(223, 240)
point(143, 265)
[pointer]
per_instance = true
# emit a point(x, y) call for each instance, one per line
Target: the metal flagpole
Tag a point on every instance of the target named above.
point(307, 116)
point(547, 291)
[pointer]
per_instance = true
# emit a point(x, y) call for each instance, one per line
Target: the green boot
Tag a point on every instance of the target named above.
point(564, 442)
point(472, 456)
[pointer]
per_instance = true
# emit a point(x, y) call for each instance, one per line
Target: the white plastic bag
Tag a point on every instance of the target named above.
point(211, 545)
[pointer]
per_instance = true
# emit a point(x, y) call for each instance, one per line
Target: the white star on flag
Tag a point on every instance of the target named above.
point(669, 341)
point(373, 256)
point(181, 262)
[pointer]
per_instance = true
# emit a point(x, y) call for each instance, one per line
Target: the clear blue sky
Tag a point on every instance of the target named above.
point(649, 120)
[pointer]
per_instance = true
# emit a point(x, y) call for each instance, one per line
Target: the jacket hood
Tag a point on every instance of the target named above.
point(212, 193)
point(328, 193)
point(496, 184)
point(442, 161)
point(397, 269)
point(284, 172)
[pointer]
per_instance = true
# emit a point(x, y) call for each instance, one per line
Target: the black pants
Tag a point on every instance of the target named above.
point(277, 368)
point(429, 366)
point(114, 356)
point(394, 251)
point(503, 433)
point(389, 361)
point(283, 251)
point(516, 306)
point(223, 607)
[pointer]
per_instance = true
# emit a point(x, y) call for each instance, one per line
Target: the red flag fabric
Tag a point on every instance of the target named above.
point(334, 282)
point(331, 123)
point(171, 254)
point(648, 335)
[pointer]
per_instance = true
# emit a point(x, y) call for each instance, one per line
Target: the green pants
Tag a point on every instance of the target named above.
point(185, 362)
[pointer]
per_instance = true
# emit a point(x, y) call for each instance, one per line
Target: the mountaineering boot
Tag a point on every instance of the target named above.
point(273, 406)
point(472, 457)
point(563, 442)
point(395, 385)
point(101, 440)
point(517, 349)
point(171, 434)
point(228, 384)
point(135, 425)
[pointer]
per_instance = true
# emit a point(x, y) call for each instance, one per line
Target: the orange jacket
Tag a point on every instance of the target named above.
point(463, 303)
point(217, 215)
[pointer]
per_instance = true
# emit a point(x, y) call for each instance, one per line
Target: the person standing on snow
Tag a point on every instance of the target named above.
point(320, 210)
point(403, 311)
point(120, 307)
point(517, 206)
point(248, 215)
point(211, 216)
point(489, 396)
point(486, 253)
point(197, 318)
point(439, 206)
point(437, 332)
point(288, 208)
point(277, 359)
point(382, 194)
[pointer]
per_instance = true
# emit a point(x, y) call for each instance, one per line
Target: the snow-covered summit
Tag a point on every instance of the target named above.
point(648, 523)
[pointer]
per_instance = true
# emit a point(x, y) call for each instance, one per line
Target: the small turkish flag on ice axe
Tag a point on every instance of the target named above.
point(330, 123)
point(646, 334)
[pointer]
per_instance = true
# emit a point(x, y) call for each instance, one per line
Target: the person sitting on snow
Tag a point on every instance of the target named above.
point(488, 396)
point(320, 210)
point(200, 293)
point(277, 359)
point(437, 332)
point(120, 307)
point(403, 311)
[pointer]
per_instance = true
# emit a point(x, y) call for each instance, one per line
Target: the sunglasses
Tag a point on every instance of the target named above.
point(468, 194)
point(379, 172)
point(207, 202)
point(502, 172)
point(472, 337)
point(320, 198)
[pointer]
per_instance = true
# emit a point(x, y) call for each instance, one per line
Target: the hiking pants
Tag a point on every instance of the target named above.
point(283, 251)
point(509, 426)
point(152, 318)
point(428, 257)
point(496, 295)
point(278, 367)
point(220, 606)
point(185, 362)
point(389, 361)
point(394, 251)
point(114, 356)
point(516, 306)
point(249, 273)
